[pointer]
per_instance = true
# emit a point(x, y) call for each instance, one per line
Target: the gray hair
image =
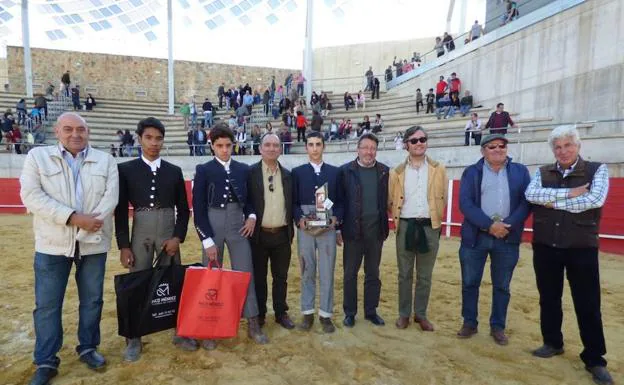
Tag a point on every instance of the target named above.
point(567, 131)
point(72, 114)
point(266, 135)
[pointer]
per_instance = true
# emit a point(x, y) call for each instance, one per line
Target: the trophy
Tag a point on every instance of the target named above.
point(319, 219)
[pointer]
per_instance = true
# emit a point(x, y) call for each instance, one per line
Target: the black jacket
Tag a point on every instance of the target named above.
point(352, 189)
point(256, 190)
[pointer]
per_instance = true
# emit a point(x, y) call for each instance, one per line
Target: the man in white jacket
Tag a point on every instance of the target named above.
point(72, 190)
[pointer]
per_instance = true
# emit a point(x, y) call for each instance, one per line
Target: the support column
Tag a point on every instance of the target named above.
point(463, 10)
point(308, 61)
point(170, 62)
point(27, 54)
point(449, 16)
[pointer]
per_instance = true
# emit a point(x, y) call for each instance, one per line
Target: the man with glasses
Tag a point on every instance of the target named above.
point(270, 186)
point(417, 197)
point(364, 182)
point(491, 198)
point(307, 179)
point(500, 120)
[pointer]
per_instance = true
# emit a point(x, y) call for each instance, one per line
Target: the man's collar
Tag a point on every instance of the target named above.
point(84, 152)
point(154, 165)
point(225, 165)
point(316, 167)
point(571, 168)
point(361, 165)
point(268, 169)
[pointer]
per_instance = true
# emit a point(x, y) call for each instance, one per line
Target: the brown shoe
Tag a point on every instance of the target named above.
point(307, 322)
point(499, 336)
point(328, 325)
point(467, 331)
point(424, 323)
point(402, 322)
point(255, 332)
point(285, 321)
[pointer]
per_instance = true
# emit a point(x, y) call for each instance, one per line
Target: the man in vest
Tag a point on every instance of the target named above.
point(568, 196)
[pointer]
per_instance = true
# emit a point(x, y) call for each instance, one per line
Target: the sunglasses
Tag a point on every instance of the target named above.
point(495, 146)
point(271, 186)
point(416, 140)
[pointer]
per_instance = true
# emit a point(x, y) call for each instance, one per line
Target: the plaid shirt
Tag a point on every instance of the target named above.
point(558, 197)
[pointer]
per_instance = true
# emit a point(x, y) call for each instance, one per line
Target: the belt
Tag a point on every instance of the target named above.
point(273, 230)
point(420, 221)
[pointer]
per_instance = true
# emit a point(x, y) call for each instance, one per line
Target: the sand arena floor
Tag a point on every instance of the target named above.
point(365, 354)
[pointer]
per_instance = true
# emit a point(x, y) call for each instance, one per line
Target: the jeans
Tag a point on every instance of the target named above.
point(464, 109)
point(300, 89)
point(207, 119)
point(51, 276)
point(503, 260)
point(582, 270)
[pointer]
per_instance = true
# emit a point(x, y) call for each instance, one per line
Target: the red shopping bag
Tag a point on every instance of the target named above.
point(212, 302)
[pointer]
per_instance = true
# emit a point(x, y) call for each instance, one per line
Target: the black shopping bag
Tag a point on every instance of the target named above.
point(147, 300)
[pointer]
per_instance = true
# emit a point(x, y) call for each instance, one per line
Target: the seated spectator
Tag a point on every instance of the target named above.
point(454, 106)
point(444, 106)
point(348, 101)
point(378, 124)
point(416, 59)
point(248, 101)
point(439, 46)
point(360, 100)
point(333, 130)
point(257, 98)
point(465, 103)
point(113, 150)
point(300, 107)
point(473, 129)
point(364, 127)
point(90, 102)
point(448, 42)
point(314, 99)
point(20, 109)
point(232, 122)
point(241, 112)
point(14, 139)
point(268, 128)
point(344, 129)
point(325, 104)
point(256, 135)
point(286, 139)
point(241, 142)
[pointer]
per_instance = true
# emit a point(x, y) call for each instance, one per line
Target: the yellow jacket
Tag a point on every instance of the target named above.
point(437, 191)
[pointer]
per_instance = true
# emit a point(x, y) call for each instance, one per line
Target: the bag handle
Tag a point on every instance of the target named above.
point(216, 262)
point(161, 255)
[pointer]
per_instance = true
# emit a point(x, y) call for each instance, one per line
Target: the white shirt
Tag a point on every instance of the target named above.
point(155, 165)
point(225, 165)
point(317, 167)
point(416, 204)
point(472, 125)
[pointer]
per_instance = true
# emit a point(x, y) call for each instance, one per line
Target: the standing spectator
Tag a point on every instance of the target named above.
point(419, 100)
point(65, 82)
point(454, 85)
point(75, 95)
point(430, 99)
point(113, 150)
point(20, 109)
point(200, 139)
point(568, 197)
point(398, 142)
point(416, 59)
point(41, 103)
point(407, 66)
point(376, 87)
point(325, 104)
point(369, 79)
point(500, 120)
point(473, 129)
point(266, 101)
point(448, 42)
point(220, 94)
point(248, 102)
point(333, 130)
point(465, 103)
point(398, 67)
point(270, 187)
point(256, 136)
point(272, 88)
point(441, 88)
point(190, 139)
point(72, 225)
point(127, 143)
point(307, 178)
point(348, 101)
point(90, 102)
point(156, 190)
point(241, 141)
point(286, 139)
point(207, 108)
point(439, 46)
point(300, 81)
point(49, 95)
point(494, 208)
point(185, 110)
point(360, 100)
point(417, 196)
point(317, 122)
point(378, 124)
point(364, 182)
point(288, 83)
point(476, 31)
point(279, 95)
point(193, 111)
point(120, 138)
point(314, 99)
point(388, 74)
point(15, 138)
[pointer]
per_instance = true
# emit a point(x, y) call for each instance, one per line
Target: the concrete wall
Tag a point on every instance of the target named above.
point(354, 60)
point(116, 76)
point(495, 8)
point(568, 67)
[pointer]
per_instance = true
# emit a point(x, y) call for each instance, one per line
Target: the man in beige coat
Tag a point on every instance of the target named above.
point(417, 197)
point(71, 189)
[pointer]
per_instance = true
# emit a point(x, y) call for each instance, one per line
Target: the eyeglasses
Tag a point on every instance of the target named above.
point(495, 146)
point(271, 186)
point(416, 140)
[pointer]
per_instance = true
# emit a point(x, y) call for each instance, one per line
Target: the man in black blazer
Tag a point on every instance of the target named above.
point(270, 187)
point(223, 213)
point(155, 188)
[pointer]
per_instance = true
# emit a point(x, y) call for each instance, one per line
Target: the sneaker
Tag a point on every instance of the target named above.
point(94, 360)
point(209, 344)
point(133, 349)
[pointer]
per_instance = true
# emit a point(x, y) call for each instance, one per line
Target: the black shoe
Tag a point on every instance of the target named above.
point(349, 321)
point(375, 319)
point(285, 321)
point(547, 351)
point(600, 375)
point(328, 325)
point(261, 320)
point(43, 376)
point(93, 359)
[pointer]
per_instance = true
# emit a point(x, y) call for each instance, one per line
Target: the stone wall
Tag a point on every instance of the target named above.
point(132, 77)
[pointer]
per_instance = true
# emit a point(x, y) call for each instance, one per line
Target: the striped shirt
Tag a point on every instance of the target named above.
point(75, 164)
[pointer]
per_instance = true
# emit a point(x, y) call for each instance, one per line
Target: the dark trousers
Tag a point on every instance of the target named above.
point(475, 136)
point(220, 101)
point(439, 96)
point(581, 267)
point(429, 108)
point(420, 105)
point(375, 92)
point(498, 131)
point(273, 247)
point(301, 133)
point(368, 249)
